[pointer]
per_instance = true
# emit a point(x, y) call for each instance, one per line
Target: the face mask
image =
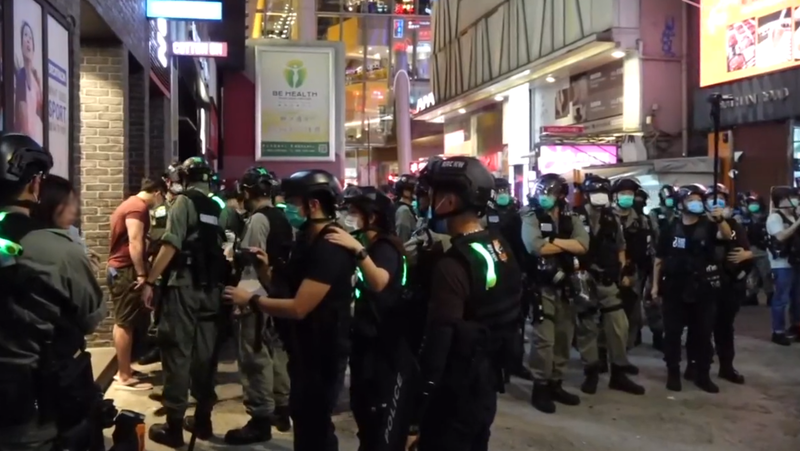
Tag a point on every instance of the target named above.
point(294, 217)
point(719, 203)
point(695, 207)
point(794, 202)
point(625, 201)
point(669, 203)
point(547, 202)
point(754, 208)
point(415, 205)
point(176, 188)
point(598, 199)
point(352, 222)
point(503, 199)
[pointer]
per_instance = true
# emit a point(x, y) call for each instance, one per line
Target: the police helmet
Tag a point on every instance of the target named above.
point(314, 184)
point(718, 190)
point(551, 184)
point(593, 183)
point(779, 193)
point(625, 184)
point(370, 201)
point(501, 184)
point(22, 158)
point(642, 194)
point(197, 169)
point(689, 190)
point(258, 182)
point(406, 182)
point(173, 172)
point(666, 192)
point(466, 177)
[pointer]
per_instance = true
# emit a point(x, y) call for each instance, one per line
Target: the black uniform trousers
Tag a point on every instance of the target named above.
point(312, 397)
point(728, 305)
point(370, 376)
point(698, 317)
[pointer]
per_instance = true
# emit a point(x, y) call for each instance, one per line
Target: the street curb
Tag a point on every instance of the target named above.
point(104, 366)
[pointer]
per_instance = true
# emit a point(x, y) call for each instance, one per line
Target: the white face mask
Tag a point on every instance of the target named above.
point(598, 199)
point(352, 222)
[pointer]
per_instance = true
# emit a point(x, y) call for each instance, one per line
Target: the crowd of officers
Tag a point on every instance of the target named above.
point(425, 293)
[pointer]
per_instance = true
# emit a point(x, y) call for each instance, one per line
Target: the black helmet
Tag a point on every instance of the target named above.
point(465, 176)
point(197, 169)
point(779, 193)
point(258, 182)
point(688, 190)
point(370, 201)
point(406, 182)
point(501, 183)
point(666, 192)
point(642, 193)
point(22, 158)
point(625, 184)
point(593, 183)
point(720, 190)
point(173, 172)
point(314, 184)
point(551, 184)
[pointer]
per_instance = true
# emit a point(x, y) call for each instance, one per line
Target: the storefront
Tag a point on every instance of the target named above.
point(36, 101)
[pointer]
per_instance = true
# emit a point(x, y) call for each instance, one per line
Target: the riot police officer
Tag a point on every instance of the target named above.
point(47, 389)
point(405, 218)
point(753, 217)
point(605, 261)
point(687, 280)
point(473, 324)
point(661, 218)
point(637, 265)
point(319, 276)
point(782, 225)
point(554, 237)
point(192, 263)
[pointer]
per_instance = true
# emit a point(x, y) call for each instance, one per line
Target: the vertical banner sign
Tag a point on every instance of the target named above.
point(296, 103)
point(58, 95)
point(28, 84)
point(2, 85)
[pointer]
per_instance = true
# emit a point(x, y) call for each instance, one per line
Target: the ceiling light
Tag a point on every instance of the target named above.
point(461, 111)
point(618, 54)
point(377, 55)
point(498, 98)
point(550, 79)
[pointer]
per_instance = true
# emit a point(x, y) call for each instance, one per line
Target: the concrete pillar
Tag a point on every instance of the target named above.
point(402, 120)
point(306, 20)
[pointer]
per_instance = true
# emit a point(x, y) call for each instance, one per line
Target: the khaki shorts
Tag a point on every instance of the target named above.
point(127, 302)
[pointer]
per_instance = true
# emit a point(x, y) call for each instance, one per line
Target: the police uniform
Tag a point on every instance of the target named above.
point(51, 300)
point(638, 242)
point(660, 221)
point(191, 308)
point(405, 218)
point(755, 225)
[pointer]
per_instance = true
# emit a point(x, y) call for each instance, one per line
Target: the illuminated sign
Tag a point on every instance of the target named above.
point(426, 101)
point(184, 10)
point(397, 28)
point(745, 38)
point(161, 42)
point(200, 49)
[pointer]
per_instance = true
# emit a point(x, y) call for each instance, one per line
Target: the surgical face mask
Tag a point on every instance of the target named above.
point(598, 199)
point(547, 202)
point(669, 202)
point(695, 207)
point(353, 222)
point(795, 202)
point(754, 208)
point(503, 199)
point(625, 200)
point(176, 188)
point(293, 216)
point(715, 203)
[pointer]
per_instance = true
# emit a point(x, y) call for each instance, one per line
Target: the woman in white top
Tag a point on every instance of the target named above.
point(28, 90)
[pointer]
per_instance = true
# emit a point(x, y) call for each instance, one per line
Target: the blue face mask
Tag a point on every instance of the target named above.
point(293, 216)
point(503, 199)
point(547, 202)
point(625, 201)
point(794, 202)
point(695, 207)
point(719, 203)
point(669, 203)
point(754, 208)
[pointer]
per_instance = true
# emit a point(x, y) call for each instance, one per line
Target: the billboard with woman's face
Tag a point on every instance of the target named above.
point(28, 86)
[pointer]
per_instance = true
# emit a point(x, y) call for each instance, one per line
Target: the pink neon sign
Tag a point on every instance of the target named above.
point(560, 159)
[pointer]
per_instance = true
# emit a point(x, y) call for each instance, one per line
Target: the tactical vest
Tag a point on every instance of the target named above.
point(279, 249)
point(507, 222)
point(790, 248)
point(200, 251)
point(692, 268)
point(664, 220)
point(756, 229)
point(401, 204)
point(734, 272)
point(372, 309)
point(544, 268)
point(637, 241)
point(602, 257)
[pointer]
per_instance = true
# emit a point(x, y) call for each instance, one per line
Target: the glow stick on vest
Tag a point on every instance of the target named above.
point(281, 206)
point(219, 201)
point(360, 276)
point(9, 248)
point(491, 275)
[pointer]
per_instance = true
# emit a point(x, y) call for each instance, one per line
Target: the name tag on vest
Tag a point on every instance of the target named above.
point(494, 219)
point(679, 243)
point(546, 227)
point(209, 219)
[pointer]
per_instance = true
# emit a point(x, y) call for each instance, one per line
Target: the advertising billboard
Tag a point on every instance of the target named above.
point(743, 38)
point(563, 158)
point(184, 9)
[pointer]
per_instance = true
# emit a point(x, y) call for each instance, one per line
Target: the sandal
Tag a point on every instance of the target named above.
point(133, 384)
point(134, 373)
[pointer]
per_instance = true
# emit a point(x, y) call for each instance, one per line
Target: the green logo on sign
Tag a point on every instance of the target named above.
point(295, 73)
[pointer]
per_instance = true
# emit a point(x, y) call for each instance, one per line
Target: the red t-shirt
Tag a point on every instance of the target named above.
point(119, 256)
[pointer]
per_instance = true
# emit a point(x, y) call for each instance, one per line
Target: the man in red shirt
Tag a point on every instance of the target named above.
point(127, 272)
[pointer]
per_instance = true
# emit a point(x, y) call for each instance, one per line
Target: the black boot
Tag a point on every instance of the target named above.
point(729, 373)
point(619, 381)
point(256, 430)
point(152, 356)
point(674, 379)
point(629, 369)
point(541, 398)
point(690, 373)
point(703, 382)
point(591, 379)
point(658, 340)
point(169, 434)
point(781, 339)
point(562, 396)
point(281, 420)
point(200, 425)
point(603, 361)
